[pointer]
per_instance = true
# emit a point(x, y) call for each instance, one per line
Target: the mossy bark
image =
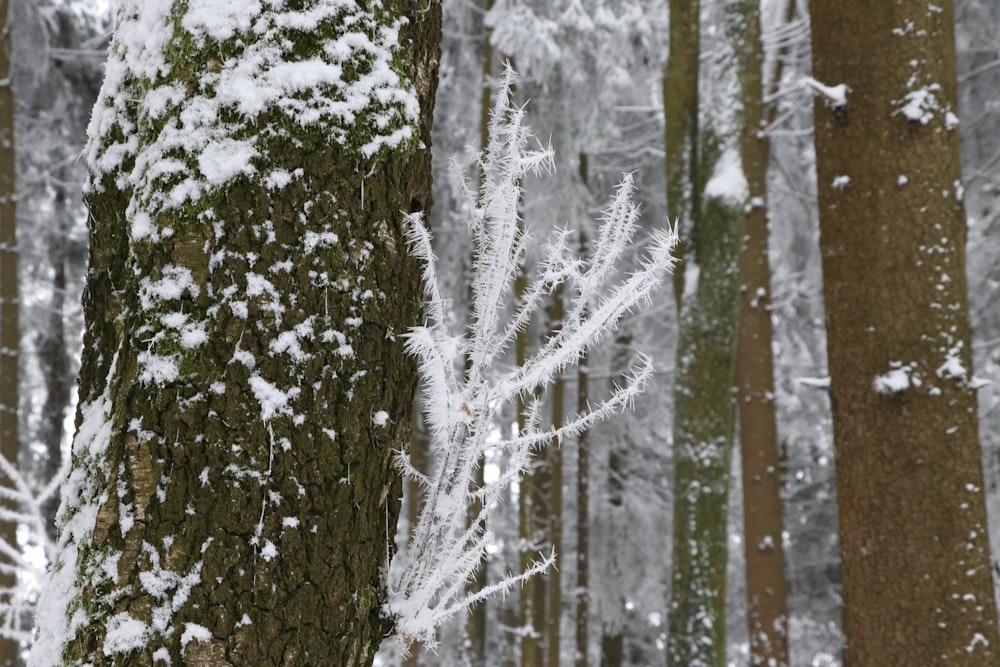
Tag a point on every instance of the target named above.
point(917, 577)
point(240, 529)
point(704, 411)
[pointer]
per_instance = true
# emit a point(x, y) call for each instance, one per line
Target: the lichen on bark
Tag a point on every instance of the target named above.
point(233, 495)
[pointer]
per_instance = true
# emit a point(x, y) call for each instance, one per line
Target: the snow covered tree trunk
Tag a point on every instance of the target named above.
point(767, 603)
point(10, 332)
point(916, 564)
point(703, 389)
point(244, 385)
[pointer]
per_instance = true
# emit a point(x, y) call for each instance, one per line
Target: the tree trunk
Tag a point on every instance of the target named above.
point(703, 386)
point(420, 444)
point(916, 566)
point(476, 622)
point(244, 386)
point(767, 601)
point(613, 612)
point(680, 105)
point(10, 333)
point(555, 504)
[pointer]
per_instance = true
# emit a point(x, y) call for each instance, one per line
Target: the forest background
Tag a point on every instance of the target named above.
point(592, 75)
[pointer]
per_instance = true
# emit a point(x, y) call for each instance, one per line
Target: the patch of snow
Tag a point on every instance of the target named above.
point(728, 181)
point(380, 418)
point(841, 182)
point(836, 96)
point(124, 634)
point(194, 633)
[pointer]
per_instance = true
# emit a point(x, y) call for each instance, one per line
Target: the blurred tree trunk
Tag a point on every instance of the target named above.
point(703, 390)
point(476, 622)
point(581, 612)
point(244, 384)
point(767, 602)
point(10, 333)
point(916, 561)
point(555, 499)
point(420, 443)
point(613, 617)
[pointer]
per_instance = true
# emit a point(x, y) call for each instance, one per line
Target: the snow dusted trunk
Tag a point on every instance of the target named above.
point(244, 386)
point(916, 566)
point(10, 332)
point(703, 391)
point(767, 600)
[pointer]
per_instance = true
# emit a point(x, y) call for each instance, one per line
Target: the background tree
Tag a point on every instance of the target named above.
point(767, 603)
point(708, 303)
point(917, 579)
point(10, 330)
point(242, 375)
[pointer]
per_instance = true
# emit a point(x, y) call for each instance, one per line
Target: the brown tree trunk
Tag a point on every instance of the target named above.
point(476, 622)
point(917, 582)
point(767, 601)
point(10, 334)
point(244, 385)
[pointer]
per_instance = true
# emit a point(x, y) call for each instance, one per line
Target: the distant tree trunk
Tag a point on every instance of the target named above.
point(680, 104)
point(555, 504)
point(767, 602)
point(10, 333)
point(420, 443)
point(917, 581)
point(703, 386)
point(54, 357)
point(531, 616)
point(613, 616)
point(244, 385)
point(582, 595)
point(476, 622)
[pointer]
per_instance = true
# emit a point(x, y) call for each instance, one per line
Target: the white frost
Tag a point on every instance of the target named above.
point(124, 634)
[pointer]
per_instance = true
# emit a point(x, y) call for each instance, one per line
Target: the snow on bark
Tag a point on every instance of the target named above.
point(462, 408)
point(201, 100)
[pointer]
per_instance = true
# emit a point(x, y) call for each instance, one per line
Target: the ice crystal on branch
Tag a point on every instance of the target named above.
point(462, 406)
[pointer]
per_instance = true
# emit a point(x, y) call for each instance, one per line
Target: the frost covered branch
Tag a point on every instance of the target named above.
point(22, 504)
point(461, 409)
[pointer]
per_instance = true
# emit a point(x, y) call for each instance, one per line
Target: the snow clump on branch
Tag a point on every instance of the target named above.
point(462, 407)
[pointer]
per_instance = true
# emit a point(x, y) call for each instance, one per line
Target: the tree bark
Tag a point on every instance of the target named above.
point(916, 567)
point(244, 386)
point(703, 386)
point(582, 613)
point(767, 600)
point(10, 332)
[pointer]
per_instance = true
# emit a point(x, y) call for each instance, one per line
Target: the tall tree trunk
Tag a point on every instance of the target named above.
point(555, 500)
point(244, 385)
point(767, 600)
point(54, 357)
point(420, 444)
point(703, 389)
point(916, 564)
point(680, 105)
point(476, 622)
point(10, 333)
point(613, 616)
point(582, 595)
